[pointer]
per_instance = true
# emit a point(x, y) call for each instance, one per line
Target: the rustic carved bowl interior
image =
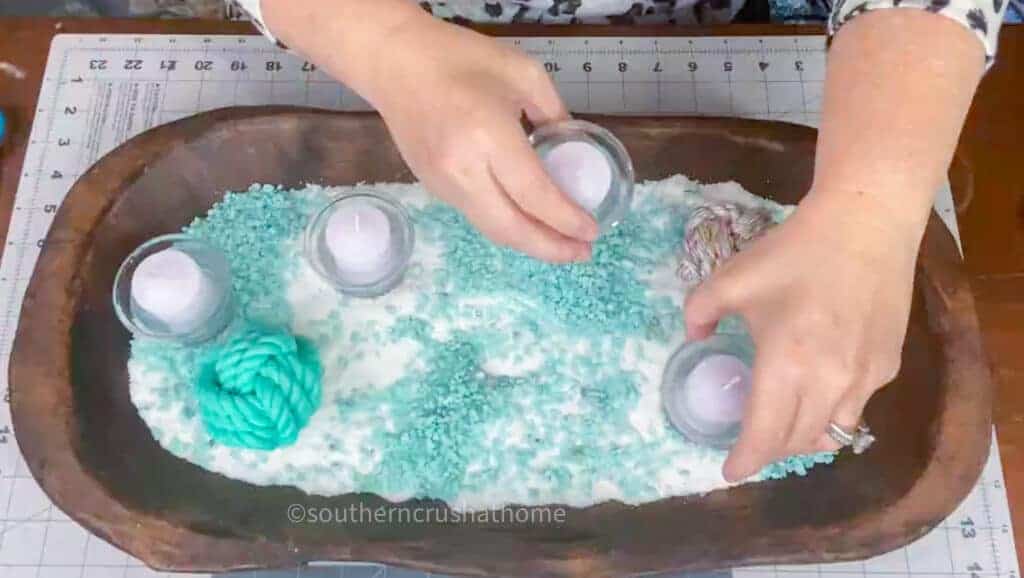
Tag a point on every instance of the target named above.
point(93, 455)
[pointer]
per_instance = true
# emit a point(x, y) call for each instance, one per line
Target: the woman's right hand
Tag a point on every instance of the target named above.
point(454, 104)
point(454, 101)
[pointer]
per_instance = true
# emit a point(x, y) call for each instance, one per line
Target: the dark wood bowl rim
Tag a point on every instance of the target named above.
point(41, 390)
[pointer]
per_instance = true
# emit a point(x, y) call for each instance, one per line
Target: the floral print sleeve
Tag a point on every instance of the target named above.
point(983, 17)
point(252, 8)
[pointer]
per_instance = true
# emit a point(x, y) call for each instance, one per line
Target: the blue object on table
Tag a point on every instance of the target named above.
point(1015, 12)
point(3, 126)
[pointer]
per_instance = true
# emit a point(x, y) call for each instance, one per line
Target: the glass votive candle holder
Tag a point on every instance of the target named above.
point(588, 163)
point(705, 387)
point(175, 288)
point(360, 244)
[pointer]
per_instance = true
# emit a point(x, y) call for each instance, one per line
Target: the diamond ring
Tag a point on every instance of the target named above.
point(860, 440)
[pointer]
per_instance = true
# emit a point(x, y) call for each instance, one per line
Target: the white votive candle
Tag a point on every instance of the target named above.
point(171, 287)
point(715, 393)
point(359, 238)
point(581, 170)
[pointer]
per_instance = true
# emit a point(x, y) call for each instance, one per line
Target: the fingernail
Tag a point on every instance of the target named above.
point(732, 478)
point(732, 473)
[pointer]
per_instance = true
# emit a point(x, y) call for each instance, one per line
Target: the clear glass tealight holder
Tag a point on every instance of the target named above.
point(175, 288)
point(705, 388)
point(590, 165)
point(361, 244)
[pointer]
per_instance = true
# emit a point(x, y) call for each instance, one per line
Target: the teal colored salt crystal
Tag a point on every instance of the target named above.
point(799, 465)
point(604, 294)
point(251, 229)
point(443, 413)
point(410, 327)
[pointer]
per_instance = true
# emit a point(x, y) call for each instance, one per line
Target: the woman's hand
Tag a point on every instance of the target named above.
point(453, 100)
point(826, 296)
point(827, 293)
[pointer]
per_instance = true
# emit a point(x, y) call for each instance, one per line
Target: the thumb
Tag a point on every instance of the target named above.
point(703, 308)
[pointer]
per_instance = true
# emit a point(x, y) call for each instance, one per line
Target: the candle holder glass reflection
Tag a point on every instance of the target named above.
point(591, 165)
point(360, 244)
point(174, 288)
point(705, 386)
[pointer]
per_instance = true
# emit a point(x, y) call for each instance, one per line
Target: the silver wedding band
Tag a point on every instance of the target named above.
point(860, 440)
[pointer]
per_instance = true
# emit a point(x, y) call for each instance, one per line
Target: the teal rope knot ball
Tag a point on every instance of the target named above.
point(259, 390)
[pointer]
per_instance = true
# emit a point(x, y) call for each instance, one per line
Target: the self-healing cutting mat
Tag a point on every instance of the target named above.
point(101, 90)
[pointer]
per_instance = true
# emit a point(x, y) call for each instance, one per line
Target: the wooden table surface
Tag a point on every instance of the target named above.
point(987, 177)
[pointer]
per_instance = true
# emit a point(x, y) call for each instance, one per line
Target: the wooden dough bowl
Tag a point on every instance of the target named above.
point(92, 454)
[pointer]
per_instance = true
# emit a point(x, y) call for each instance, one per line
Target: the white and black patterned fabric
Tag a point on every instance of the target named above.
point(983, 17)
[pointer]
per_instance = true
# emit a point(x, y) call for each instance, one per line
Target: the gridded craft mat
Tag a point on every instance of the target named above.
point(100, 90)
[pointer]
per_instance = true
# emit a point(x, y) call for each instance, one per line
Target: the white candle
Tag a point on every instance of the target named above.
point(715, 393)
point(359, 238)
point(582, 171)
point(171, 287)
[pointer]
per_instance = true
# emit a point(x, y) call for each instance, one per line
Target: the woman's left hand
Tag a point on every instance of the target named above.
point(826, 296)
